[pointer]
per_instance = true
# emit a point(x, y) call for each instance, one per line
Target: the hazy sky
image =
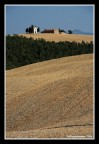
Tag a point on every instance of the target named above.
point(18, 18)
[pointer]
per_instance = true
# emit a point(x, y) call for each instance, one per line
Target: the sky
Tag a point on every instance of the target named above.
point(20, 17)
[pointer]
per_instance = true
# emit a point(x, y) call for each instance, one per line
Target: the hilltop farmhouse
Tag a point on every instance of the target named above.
point(55, 31)
point(34, 30)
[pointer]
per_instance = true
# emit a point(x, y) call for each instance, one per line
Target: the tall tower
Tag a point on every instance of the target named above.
point(35, 29)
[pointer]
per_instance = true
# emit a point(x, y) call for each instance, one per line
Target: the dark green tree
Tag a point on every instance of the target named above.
point(62, 31)
point(32, 26)
point(38, 29)
point(27, 30)
point(70, 32)
point(30, 29)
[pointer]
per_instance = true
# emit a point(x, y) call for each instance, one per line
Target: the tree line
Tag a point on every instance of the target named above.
point(21, 51)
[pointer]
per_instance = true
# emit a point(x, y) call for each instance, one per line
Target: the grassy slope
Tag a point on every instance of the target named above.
point(51, 99)
point(61, 37)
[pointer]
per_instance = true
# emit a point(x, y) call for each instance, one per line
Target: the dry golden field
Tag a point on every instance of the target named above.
point(61, 37)
point(51, 99)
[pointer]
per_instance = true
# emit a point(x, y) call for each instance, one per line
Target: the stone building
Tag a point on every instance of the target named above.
point(55, 31)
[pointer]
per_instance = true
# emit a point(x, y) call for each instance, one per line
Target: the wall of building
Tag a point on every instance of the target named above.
point(35, 29)
point(56, 31)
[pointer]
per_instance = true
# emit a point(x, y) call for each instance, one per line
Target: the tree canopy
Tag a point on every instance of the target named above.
point(21, 51)
point(69, 32)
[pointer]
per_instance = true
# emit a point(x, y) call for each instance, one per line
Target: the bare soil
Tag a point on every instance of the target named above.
point(50, 99)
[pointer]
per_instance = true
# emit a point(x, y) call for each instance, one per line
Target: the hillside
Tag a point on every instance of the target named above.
point(76, 31)
point(61, 37)
point(51, 99)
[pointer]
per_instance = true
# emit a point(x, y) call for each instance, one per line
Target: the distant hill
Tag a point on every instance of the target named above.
point(76, 31)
